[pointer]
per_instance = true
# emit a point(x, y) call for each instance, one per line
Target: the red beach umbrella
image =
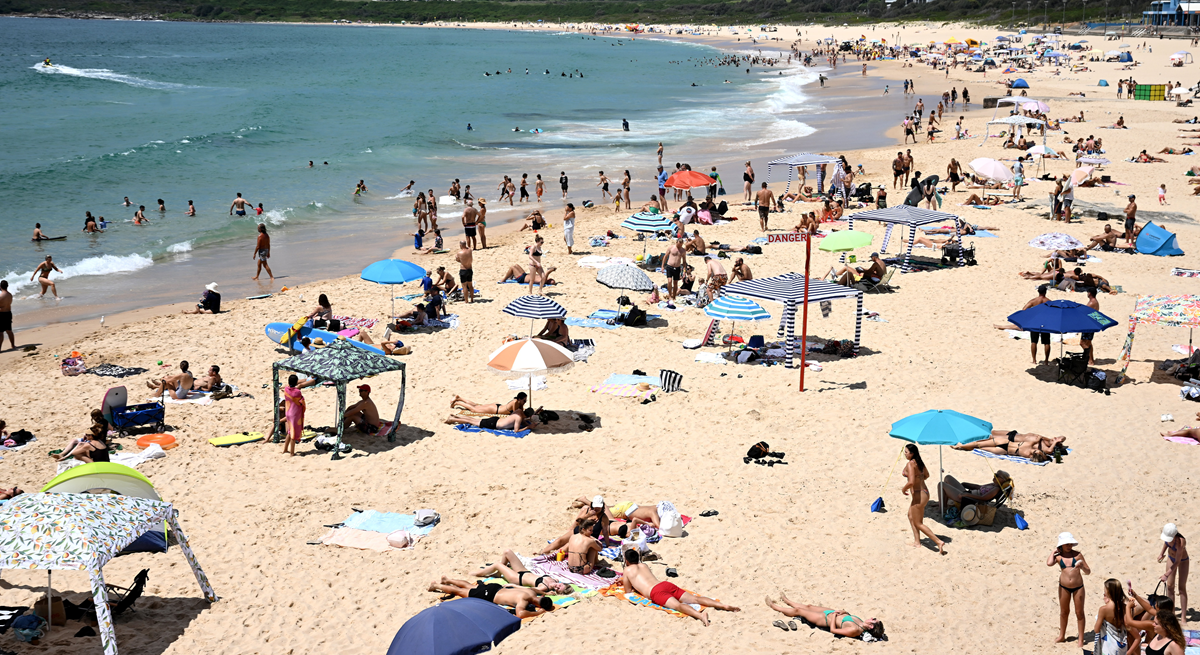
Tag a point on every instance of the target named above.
point(689, 180)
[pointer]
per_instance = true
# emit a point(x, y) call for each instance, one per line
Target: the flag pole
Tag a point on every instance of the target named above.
point(804, 325)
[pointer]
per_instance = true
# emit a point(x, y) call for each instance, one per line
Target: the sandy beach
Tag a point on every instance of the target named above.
point(804, 529)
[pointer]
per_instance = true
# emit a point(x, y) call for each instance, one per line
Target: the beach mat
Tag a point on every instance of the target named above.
point(386, 523)
point(463, 427)
point(544, 565)
point(360, 539)
point(625, 391)
point(1012, 458)
point(1187, 441)
point(618, 591)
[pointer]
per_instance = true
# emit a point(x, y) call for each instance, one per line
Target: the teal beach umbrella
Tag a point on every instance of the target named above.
point(940, 427)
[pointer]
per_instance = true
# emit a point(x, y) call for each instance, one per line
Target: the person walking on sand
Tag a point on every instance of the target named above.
point(916, 474)
point(535, 265)
point(1174, 548)
point(1070, 583)
point(569, 227)
point(466, 274)
point(763, 200)
point(262, 252)
point(294, 407)
point(6, 316)
point(468, 222)
point(42, 273)
point(238, 206)
point(637, 577)
point(603, 184)
point(748, 181)
point(1162, 194)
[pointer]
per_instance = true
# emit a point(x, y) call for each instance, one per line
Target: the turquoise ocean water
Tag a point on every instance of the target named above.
point(183, 111)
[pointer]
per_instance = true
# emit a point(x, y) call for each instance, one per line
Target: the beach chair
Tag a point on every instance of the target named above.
point(121, 599)
point(867, 286)
point(1073, 368)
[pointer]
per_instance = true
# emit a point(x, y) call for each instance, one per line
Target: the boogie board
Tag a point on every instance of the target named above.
point(236, 439)
point(113, 398)
point(277, 331)
point(50, 239)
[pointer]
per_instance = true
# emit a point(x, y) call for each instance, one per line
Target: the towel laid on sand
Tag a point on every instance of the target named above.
point(711, 358)
point(386, 523)
point(1185, 272)
point(447, 321)
point(545, 565)
point(1187, 441)
point(589, 323)
point(193, 398)
point(621, 378)
point(132, 460)
point(362, 323)
point(463, 427)
point(618, 591)
point(1011, 458)
point(361, 539)
point(624, 391)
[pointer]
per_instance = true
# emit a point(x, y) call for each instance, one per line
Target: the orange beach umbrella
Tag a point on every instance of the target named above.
point(689, 180)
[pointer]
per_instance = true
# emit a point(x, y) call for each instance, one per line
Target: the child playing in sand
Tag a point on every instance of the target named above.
point(1162, 194)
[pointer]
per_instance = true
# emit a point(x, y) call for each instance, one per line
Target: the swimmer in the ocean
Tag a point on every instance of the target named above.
point(239, 204)
point(139, 216)
point(469, 128)
point(516, 129)
point(37, 233)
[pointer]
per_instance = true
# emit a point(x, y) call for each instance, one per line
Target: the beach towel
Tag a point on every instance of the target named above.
point(114, 371)
point(193, 398)
point(545, 565)
point(618, 591)
point(624, 391)
point(361, 539)
point(1187, 441)
point(449, 321)
point(1011, 458)
point(361, 323)
point(132, 460)
point(463, 427)
point(985, 234)
point(386, 523)
point(590, 323)
point(581, 349)
point(711, 358)
point(410, 296)
point(621, 378)
point(1185, 272)
point(522, 384)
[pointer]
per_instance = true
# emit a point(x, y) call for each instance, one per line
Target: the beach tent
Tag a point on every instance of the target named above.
point(1125, 58)
point(82, 532)
point(789, 290)
point(340, 362)
point(1020, 83)
point(1154, 240)
point(1103, 83)
point(1172, 311)
point(913, 217)
point(791, 162)
point(1013, 121)
point(108, 477)
point(1184, 56)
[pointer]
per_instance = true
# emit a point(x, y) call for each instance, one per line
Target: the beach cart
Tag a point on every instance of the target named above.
point(124, 417)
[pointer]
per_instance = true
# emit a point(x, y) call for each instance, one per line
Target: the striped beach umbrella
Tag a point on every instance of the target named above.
point(647, 222)
point(526, 358)
point(735, 308)
point(535, 307)
point(624, 276)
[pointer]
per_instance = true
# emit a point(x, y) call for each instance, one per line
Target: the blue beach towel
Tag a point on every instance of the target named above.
point(985, 234)
point(385, 522)
point(589, 322)
point(463, 427)
point(1011, 458)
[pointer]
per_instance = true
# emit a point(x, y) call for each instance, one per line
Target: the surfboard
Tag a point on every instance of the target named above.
point(265, 295)
point(276, 331)
point(292, 332)
point(236, 439)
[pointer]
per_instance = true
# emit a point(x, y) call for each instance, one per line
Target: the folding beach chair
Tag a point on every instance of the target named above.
point(1073, 368)
point(884, 284)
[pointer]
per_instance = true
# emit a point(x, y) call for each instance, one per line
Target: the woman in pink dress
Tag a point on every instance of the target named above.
point(294, 413)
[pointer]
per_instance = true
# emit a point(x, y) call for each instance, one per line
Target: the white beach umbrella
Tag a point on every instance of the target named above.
point(1042, 150)
point(991, 169)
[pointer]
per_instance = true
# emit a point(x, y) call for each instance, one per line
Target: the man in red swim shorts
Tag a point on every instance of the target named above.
point(637, 577)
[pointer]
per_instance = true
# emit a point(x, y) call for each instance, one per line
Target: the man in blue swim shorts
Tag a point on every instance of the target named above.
point(239, 205)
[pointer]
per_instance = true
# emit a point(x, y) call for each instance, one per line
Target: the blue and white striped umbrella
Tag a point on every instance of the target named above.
point(647, 222)
point(736, 308)
point(535, 307)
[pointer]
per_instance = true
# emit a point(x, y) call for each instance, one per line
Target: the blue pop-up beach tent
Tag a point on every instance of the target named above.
point(1020, 83)
point(1125, 57)
point(1103, 83)
point(1155, 240)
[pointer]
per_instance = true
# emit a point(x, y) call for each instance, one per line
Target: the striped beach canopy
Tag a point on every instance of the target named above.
point(624, 276)
point(734, 308)
point(789, 287)
point(902, 215)
point(535, 307)
point(647, 222)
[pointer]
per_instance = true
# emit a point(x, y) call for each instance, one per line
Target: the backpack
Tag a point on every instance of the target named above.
point(635, 317)
point(758, 450)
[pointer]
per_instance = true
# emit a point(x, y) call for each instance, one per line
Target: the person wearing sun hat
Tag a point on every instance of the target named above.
point(1072, 567)
point(210, 301)
point(1174, 548)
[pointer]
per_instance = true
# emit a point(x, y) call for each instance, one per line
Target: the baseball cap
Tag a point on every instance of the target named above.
point(1169, 532)
point(364, 387)
point(598, 502)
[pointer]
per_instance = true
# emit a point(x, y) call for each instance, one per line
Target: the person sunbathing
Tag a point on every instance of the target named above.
point(9, 494)
point(923, 240)
point(1143, 158)
point(555, 331)
point(515, 272)
point(1173, 151)
point(1033, 447)
point(407, 319)
point(1069, 255)
point(211, 382)
point(513, 570)
point(177, 385)
point(517, 404)
point(838, 622)
point(964, 228)
point(1050, 270)
point(974, 199)
point(976, 183)
point(581, 545)
point(525, 602)
point(1190, 433)
point(951, 490)
point(516, 421)
point(1105, 241)
point(805, 195)
point(637, 577)
point(848, 276)
point(1190, 121)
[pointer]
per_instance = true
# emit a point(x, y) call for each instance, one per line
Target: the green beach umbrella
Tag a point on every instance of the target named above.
point(845, 240)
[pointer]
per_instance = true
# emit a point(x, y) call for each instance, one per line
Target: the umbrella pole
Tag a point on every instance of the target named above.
point(804, 323)
point(941, 478)
point(49, 603)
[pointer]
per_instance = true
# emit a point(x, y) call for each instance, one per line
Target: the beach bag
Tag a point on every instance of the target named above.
point(426, 517)
point(720, 191)
point(670, 524)
point(73, 366)
point(1156, 597)
point(635, 317)
point(670, 380)
point(758, 450)
point(400, 539)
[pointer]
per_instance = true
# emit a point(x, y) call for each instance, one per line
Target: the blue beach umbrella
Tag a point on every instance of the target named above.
point(940, 427)
point(1061, 317)
point(393, 271)
point(735, 308)
point(456, 627)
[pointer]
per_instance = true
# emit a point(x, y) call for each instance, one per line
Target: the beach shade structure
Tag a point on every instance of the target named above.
point(913, 218)
point(526, 358)
point(940, 427)
point(626, 277)
point(82, 532)
point(1025, 103)
point(1012, 122)
point(534, 308)
point(1183, 56)
point(1169, 310)
point(792, 289)
point(1105, 82)
point(807, 159)
point(340, 363)
point(1020, 83)
point(1055, 241)
point(457, 627)
point(1155, 240)
point(689, 180)
point(734, 309)
point(392, 272)
point(991, 169)
point(1080, 175)
point(112, 478)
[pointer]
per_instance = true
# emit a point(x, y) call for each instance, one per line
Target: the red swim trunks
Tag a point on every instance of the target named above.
point(664, 591)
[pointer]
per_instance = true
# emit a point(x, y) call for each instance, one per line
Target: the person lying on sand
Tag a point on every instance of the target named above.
point(513, 570)
point(838, 622)
point(211, 382)
point(1050, 270)
point(555, 331)
point(976, 183)
point(515, 272)
point(1191, 121)
point(637, 577)
point(1091, 280)
point(974, 199)
point(804, 195)
point(964, 228)
point(9, 494)
point(1143, 158)
point(581, 545)
point(1173, 151)
point(516, 421)
point(923, 240)
point(525, 602)
point(178, 385)
point(1190, 433)
point(631, 512)
point(363, 414)
point(517, 404)
point(1031, 446)
point(1069, 255)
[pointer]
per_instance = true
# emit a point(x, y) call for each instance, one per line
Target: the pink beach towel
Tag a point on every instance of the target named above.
point(544, 565)
point(1187, 441)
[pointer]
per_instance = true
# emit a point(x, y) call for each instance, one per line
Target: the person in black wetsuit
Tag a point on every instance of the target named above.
point(525, 601)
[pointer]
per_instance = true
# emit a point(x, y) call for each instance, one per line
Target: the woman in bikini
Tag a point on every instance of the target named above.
point(838, 622)
point(1070, 583)
point(916, 474)
point(581, 544)
point(432, 203)
point(93, 447)
point(1033, 447)
point(1113, 634)
point(515, 405)
point(323, 311)
point(421, 210)
point(1175, 550)
point(535, 264)
point(481, 222)
point(513, 570)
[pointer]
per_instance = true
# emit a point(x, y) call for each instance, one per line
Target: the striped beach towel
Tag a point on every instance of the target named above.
point(624, 391)
point(544, 565)
point(1011, 458)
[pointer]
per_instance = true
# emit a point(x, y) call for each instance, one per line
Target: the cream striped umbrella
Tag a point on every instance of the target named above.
point(530, 357)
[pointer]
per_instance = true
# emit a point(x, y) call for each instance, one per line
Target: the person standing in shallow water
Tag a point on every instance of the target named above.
point(916, 474)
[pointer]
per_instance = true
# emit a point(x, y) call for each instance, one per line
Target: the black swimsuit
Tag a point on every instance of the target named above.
point(1062, 565)
point(485, 592)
